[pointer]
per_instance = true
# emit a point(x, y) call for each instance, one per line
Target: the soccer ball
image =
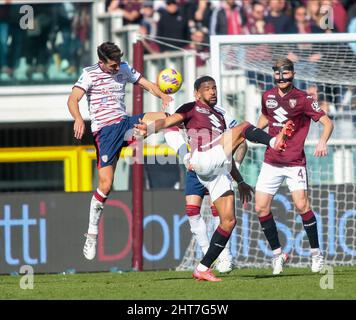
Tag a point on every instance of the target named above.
point(169, 81)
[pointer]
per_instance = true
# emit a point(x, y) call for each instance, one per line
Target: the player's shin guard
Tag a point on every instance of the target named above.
point(96, 208)
point(311, 229)
point(257, 135)
point(217, 244)
point(270, 230)
point(198, 227)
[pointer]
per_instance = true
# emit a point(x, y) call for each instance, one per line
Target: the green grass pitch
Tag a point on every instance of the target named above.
point(294, 283)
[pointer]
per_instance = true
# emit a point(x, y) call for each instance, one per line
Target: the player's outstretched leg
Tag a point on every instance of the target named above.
point(283, 135)
point(232, 138)
point(96, 208)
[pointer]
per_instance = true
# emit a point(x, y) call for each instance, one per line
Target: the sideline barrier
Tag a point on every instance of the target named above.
point(77, 161)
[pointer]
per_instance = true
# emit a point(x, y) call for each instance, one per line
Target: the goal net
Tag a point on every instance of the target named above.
point(325, 66)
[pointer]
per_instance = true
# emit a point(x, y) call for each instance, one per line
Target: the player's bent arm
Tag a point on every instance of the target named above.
point(241, 152)
point(245, 190)
point(262, 122)
point(154, 90)
point(328, 128)
point(171, 121)
point(73, 102)
point(321, 149)
point(73, 106)
point(235, 173)
point(143, 130)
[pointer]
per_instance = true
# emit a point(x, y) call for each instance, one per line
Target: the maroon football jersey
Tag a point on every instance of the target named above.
point(203, 124)
point(297, 106)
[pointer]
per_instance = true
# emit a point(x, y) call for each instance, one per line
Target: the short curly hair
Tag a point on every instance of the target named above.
point(201, 80)
point(109, 51)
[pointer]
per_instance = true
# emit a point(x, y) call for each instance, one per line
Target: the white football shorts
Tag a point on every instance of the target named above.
point(271, 177)
point(213, 170)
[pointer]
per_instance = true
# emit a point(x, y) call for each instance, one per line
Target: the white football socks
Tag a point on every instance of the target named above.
point(96, 208)
point(198, 229)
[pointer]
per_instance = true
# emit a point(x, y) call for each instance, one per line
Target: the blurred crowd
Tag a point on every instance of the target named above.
point(55, 47)
point(59, 44)
point(195, 20)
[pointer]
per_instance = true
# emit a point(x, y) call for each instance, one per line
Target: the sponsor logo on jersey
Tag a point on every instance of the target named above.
point(214, 121)
point(310, 97)
point(133, 71)
point(292, 103)
point(271, 96)
point(104, 158)
point(216, 129)
point(202, 110)
point(315, 106)
point(104, 100)
point(279, 115)
point(270, 103)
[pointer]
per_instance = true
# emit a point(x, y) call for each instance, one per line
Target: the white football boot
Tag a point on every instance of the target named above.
point(89, 249)
point(224, 262)
point(317, 262)
point(278, 262)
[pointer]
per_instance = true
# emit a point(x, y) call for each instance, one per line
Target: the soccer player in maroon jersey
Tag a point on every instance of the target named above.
point(280, 104)
point(212, 147)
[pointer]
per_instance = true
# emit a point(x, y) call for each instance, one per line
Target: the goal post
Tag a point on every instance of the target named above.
point(326, 68)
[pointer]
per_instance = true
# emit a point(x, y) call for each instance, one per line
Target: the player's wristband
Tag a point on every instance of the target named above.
point(238, 183)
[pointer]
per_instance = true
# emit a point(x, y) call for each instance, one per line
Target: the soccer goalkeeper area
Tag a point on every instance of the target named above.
point(47, 177)
point(242, 67)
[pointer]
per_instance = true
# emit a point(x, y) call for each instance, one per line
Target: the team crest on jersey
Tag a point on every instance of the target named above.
point(270, 103)
point(104, 158)
point(315, 106)
point(202, 110)
point(292, 103)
